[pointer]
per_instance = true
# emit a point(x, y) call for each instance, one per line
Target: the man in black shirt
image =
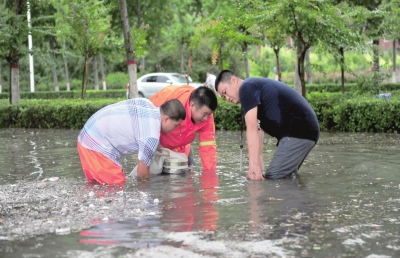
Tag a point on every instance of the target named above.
point(275, 108)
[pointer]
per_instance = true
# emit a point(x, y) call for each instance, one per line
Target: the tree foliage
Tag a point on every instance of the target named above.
point(87, 23)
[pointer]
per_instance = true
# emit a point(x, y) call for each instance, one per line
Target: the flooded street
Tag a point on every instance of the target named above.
point(345, 203)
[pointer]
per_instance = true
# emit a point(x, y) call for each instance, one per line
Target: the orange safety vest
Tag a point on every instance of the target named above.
point(179, 139)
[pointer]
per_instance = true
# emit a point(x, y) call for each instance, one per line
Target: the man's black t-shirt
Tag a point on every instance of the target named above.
point(282, 111)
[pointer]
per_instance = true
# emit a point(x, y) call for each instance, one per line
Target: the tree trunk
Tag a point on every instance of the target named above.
point(142, 64)
point(103, 74)
point(301, 53)
point(301, 74)
point(66, 72)
point(308, 66)
point(219, 60)
point(85, 77)
point(13, 60)
point(14, 83)
point(297, 82)
point(132, 69)
point(54, 66)
point(278, 65)
point(95, 73)
point(182, 58)
point(394, 79)
point(246, 60)
point(341, 50)
point(190, 62)
point(377, 80)
point(375, 42)
point(1, 79)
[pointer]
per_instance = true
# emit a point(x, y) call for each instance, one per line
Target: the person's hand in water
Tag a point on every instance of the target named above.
point(254, 173)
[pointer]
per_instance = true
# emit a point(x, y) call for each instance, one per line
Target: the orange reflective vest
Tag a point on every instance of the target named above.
point(179, 139)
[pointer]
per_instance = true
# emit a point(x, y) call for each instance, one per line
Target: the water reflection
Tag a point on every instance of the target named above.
point(189, 206)
point(186, 205)
point(283, 205)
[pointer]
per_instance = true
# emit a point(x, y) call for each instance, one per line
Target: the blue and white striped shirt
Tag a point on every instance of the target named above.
point(124, 128)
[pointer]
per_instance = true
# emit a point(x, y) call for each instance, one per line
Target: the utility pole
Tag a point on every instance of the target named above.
point(32, 77)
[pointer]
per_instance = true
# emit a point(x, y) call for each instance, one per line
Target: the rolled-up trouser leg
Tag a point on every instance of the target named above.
point(288, 157)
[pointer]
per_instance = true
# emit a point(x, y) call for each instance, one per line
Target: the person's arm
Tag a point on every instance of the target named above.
point(143, 171)
point(261, 136)
point(208, 146)
point(253, 145)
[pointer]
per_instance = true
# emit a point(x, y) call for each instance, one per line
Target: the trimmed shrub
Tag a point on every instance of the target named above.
point(57, 114)
point(227, 116)
point(76, 94)
point(367, 115)
point(343, 112)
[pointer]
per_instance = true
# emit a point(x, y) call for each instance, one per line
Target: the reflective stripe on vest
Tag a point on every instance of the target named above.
point(209, 143)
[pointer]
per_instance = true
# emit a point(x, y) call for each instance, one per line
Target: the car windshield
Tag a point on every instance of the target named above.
point(180, 78)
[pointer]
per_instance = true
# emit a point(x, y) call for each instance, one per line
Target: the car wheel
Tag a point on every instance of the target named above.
point(141, 95)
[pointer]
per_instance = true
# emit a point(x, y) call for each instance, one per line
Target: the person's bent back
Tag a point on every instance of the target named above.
point(121, 129)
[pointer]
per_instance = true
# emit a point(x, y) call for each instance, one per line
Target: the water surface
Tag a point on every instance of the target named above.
point(345, 202)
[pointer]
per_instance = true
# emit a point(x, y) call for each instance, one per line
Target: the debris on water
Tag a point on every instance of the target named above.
point(41, 185)
point(91, 205)
point(63, 231)
point(271, 199)
point(91, 194)
point(357, 241)
point(54, 179)
point(120, 193)
point(156, 201)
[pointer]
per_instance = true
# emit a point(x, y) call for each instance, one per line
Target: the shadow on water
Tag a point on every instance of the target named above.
point(345, 202)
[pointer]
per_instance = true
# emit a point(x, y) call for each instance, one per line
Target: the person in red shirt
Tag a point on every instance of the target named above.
point(200, 104)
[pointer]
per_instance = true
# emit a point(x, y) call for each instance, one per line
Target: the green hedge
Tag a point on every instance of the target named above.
point(50, 113)
point(352, 113)
point(348, 87)
point(367, 115)
point(76, 94)
point(347, 113)
point(227, 116)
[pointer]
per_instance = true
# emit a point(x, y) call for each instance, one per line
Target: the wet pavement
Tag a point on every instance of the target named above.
point(343, 204)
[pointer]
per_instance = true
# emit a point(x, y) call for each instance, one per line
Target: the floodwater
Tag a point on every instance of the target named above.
point(345, 202)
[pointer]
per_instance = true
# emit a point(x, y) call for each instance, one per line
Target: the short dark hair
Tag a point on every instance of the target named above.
point(204, 96)
point(223, 76)
point(174, 109)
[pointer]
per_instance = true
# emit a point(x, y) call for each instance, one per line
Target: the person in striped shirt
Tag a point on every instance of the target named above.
point(120, 129)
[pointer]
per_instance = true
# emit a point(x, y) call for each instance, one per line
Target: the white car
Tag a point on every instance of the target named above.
point(151, 83)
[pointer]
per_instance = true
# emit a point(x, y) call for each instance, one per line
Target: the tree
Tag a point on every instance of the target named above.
point(232, 32)
point(353, 18)
point(308, 22)
point(14, 35)
point(276, 40)
point(391, 28)
point(87, 23)
point(1, 78)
